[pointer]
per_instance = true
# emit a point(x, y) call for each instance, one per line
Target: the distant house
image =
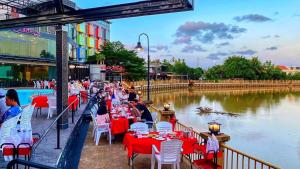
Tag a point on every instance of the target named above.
point(289, 69)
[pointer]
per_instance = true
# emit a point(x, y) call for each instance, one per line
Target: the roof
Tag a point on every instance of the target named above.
point(282, 67)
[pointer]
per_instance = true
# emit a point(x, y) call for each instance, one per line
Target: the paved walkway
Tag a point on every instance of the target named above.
point(105, 156)
point(46, 152)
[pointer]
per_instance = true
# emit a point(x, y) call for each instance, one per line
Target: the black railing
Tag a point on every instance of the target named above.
point(28, 164)
point(70, 156)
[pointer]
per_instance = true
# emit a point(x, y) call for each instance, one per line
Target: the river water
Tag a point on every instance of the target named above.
point(267, 125)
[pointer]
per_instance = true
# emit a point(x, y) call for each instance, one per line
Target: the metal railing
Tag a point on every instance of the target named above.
point(232, 158)
point(235, 159)
point(11, 164)
point(57, 127)
point(70, 156)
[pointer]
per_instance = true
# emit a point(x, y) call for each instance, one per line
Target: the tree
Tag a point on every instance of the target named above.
point(116, 55)
point(215, 73)
point(97, 58)
point(239, 67)
point(181, 68)
point(45, 54)
point(195, 73)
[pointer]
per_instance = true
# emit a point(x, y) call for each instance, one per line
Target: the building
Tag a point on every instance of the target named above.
point(28, 54)
point(289, 69)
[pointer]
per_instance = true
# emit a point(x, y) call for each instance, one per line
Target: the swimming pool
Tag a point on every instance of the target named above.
point(25, 94)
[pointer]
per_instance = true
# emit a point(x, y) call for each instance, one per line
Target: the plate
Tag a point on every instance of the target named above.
point(160, 138)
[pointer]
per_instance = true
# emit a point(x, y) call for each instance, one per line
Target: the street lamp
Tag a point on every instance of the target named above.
point(139, 48)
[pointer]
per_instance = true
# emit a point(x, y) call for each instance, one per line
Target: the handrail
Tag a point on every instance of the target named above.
point(51, 125)
point(249, 156)
point(12, 163)
point(228, 159)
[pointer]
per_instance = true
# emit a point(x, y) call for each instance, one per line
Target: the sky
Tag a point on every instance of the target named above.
point(215, 30)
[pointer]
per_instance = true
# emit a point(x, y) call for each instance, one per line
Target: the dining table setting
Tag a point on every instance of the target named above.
point(141, 142)
point(121, 119)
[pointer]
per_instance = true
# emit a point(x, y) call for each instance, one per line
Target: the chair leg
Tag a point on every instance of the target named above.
point(174, 166)
point(109, 135)
point(178, 165)
point(98, 136)
point(152, 162)
point(159, 165)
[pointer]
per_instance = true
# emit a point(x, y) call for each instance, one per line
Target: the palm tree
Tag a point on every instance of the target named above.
point(99, 57)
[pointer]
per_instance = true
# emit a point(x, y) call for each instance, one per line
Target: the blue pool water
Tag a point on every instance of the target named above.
point(25, 94)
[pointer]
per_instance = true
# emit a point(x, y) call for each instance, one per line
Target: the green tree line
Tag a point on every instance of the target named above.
point(239, 67)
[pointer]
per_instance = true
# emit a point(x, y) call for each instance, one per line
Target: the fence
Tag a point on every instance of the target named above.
point(213, 84)
point(232, 158)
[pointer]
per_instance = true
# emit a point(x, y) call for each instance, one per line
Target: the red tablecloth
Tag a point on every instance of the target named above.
point(120, 125)
point(40, 101)
point(71, 99)
point(144, 145)
point(84, 96)
point(108, 104)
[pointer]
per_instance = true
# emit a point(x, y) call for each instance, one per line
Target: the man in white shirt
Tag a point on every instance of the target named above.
point(3, 106)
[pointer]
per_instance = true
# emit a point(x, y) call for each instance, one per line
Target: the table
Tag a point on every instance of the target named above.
point(119, 125)
point(144, 145)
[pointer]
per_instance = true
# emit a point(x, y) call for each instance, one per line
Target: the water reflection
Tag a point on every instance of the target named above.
point(231, 101)
point(268, 121)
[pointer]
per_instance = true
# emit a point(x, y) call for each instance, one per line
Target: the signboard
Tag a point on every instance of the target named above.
point(28, 31)
point(115, 68)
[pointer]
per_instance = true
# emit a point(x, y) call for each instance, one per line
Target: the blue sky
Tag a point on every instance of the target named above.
point(216, 29)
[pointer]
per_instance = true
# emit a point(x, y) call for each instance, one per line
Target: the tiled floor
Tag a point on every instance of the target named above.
point(105, 156)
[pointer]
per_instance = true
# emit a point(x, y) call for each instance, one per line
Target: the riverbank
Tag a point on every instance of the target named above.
point(220, 84)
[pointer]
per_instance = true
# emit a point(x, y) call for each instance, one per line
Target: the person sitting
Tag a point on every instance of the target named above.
point(12, 100)
point(132, 95)
point(102, 113)
point(146, 114)
point(134, 111)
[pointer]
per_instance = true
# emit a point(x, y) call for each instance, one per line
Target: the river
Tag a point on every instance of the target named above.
point(267, 125)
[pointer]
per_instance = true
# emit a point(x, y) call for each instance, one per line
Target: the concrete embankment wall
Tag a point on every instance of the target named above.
point(225, 84)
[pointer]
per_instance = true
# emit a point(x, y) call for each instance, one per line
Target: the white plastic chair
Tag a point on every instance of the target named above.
point(9, 134)
point(26, 115)
point(52, 106)
point(164, 126)
point(139, 127)
point(169, 154)
point(154, 117)
point(99, 129)
point(6, 128)
point(25, 130)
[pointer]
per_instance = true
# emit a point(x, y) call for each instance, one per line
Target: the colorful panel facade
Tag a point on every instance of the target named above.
point(90, 42)
point(90, 29)
point(81, 27)
point(81, 53)
point(81, 40)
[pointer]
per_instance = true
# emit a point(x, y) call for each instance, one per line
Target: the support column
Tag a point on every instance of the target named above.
point(62, 76)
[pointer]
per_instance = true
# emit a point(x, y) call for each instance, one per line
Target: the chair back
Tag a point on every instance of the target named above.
point(170, 150)
point(164, 126)
point(26, 114)
point(52, 102)
point(139, 127)
point(154, 116)
point(7, 127)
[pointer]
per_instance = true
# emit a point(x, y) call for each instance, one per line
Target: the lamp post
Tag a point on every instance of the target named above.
point(139, 47)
